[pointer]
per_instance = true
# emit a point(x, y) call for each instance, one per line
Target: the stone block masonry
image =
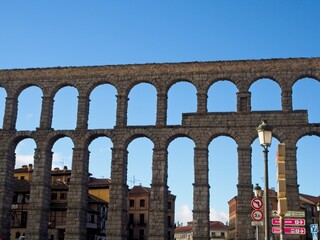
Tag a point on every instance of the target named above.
point(200, 126)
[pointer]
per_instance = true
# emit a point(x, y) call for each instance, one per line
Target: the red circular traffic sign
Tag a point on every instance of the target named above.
point(257, 215)
point(256, 203)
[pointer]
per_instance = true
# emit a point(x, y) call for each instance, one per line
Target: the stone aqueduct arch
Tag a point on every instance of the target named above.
point(201, 126)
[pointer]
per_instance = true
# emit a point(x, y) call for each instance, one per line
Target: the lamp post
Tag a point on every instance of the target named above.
point(257, 193)
point(265, 137)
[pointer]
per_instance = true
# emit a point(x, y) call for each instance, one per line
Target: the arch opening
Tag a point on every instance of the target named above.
point(3, 95)
point(306, 95)
point(142, 105)
point(103, 105)
point(265, 95)
point(65, 108)
point(182, 98)
point(222, 97)
point(223, 160)
point(181, 156)
point(29, 108)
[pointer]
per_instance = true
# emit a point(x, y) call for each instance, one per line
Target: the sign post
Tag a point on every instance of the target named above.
point(314, 231)
point(257, 215)
point(291, 224)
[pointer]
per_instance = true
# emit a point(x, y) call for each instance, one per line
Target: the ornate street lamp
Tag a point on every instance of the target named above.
point(257, 191)
point(265, 136)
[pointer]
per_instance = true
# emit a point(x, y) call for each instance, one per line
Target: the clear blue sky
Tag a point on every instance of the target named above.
point(83, 33)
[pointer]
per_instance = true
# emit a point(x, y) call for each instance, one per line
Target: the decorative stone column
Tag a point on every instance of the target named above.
point(83, 112)
point(10, 115)
point(7, 159)
point(76, 221)
point(162, 103)
point(40, 196)
point(116, 225)
point(244, 231)
point(243, 101)
point(46, 112)
point(158, 225)
point(201, 220)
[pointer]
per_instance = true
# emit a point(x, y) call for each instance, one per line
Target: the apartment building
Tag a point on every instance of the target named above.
point(98, 198)
point(60, 178)
point(138, 213)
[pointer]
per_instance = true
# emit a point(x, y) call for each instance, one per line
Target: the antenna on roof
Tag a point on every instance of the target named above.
point(134, 180)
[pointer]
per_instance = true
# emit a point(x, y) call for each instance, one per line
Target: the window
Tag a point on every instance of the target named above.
point(131, 218)
point(141, 219)
point(63, 196)
point(22, 177)
point(131, 203)
point(20, 198)
point(142, 203)
point(169, 205)
point(91, 218)
point(222, 234)
point(26, 198)
point(15, 199)
point(54, 196)
point(24, 217)
point(169, 221)
point(141, 234)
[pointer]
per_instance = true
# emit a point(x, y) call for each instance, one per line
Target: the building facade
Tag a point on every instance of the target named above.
point(98, 197)
point(139, 212)
point(60, 178)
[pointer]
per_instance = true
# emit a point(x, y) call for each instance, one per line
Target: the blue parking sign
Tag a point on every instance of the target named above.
point(314, 228)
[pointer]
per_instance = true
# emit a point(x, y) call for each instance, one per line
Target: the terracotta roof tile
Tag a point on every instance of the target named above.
point(214, 225)
point(139, 190)
point(99, 182)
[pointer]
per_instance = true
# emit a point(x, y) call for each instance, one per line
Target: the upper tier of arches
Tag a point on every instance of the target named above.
point(160, 79)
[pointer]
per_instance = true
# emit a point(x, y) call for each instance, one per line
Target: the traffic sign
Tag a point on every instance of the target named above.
point(276, 230)
point(256, 203)
point(314, 236)
point(295, 230)
point(290, 230)
point(257, 215)
point(254, 223)
point(314, 228)
point(290, 221)
point(295, 214)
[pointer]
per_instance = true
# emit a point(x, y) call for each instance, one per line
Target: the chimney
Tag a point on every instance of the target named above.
point(30, 167)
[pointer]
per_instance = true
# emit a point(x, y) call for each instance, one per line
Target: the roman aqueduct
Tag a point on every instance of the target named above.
point(200, 126)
